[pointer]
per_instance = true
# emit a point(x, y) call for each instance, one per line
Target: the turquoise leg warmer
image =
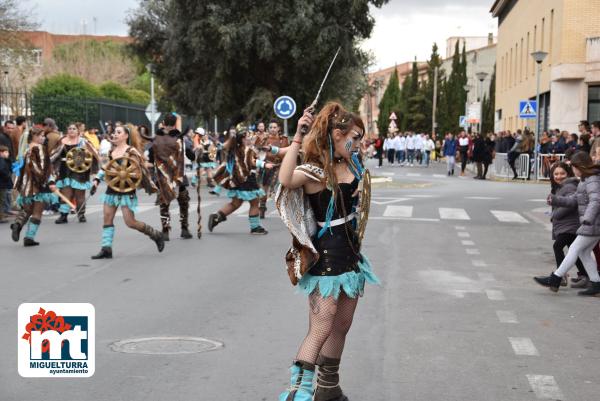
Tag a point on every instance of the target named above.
point(32, 228)
point(108, 233)
point(64, 208)
point(254, 222)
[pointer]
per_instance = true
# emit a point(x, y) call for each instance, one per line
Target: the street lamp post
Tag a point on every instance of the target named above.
point(481, 76)
point(539, 57)
point(467, 89)
point(150, 68)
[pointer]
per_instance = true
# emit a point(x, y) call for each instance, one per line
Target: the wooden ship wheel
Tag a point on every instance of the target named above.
point(123, 174)
point(79, 160)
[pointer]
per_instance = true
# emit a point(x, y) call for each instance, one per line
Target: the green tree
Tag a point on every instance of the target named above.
point(489, 106)
point(390, 103)
point(225, 58)
point(63, 97)
point(416, 103)
point(455, 94)
point(112, 90)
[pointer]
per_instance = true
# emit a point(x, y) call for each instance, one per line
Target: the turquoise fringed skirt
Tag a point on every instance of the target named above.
point(73, 183)
point(119, 200)
point(45, 197)
point(352, 283)
point(208, 164)
point(241, 194)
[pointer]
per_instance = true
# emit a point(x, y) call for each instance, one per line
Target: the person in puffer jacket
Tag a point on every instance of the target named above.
point(565, 220)
point(587, 201)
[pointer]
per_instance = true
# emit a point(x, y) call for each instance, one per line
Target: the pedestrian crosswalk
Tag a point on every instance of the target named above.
point(445, 213)
point(379, 211)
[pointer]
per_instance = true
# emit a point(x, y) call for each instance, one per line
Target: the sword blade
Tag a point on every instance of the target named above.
point(314, 103)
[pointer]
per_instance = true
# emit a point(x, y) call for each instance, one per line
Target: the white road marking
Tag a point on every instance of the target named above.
point(388, 201)
point(472, 251)
point(421, 196)
point(440, 175)
point(545, 387)
point(523, 346)
point(398, 211)
point(388, 174)
point(405, 219)
point(413, 174)
point(467, 242)
point(463, 234)
point(453, 214)
point(506, 316)
point(508, 217)
point(460, 227)
point(486, 277)
point(536, 200)
point(495, 295)
point(478, 263)
point(481, 197)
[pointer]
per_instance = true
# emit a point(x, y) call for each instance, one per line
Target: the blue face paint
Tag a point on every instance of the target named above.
point(348, 145)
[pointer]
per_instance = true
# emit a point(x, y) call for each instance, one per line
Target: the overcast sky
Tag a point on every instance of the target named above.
point(404, 28)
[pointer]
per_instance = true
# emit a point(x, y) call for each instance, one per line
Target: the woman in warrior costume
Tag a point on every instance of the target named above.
point(125, 145)
point(318, 202)
point(73, 184)
point(35, 185)
point(206, 156)
point(237, 174)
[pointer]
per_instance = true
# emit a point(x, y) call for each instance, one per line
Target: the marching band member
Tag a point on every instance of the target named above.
point(124, 159)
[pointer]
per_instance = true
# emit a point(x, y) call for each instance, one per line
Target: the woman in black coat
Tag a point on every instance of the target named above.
point(479, 155)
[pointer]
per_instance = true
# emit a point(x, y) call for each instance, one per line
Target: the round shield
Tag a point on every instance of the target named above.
point(123, 174)
point(79, 160)
point(364, 204)
point(212, 152)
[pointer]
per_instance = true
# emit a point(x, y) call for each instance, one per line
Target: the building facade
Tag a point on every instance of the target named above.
point(569, 31)
point(469, 42)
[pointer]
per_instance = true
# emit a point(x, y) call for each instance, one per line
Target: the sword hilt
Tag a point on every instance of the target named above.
point(304, 128)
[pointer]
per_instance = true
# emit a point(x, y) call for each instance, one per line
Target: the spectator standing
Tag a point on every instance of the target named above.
point(450, 147)
point(428, 147)
point(410, 149)
point(378, 145)
point(587, 201)
point(489, 153)
point(388, 147)
point(478, 155)
point(6, 183)
point(463, 148)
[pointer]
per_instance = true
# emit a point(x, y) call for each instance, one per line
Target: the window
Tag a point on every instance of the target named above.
point(527, 58)
point(551, 37)
point(534, 48)
point(594, 103)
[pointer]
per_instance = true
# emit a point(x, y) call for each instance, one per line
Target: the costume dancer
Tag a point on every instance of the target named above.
point(325, 259)
point(124, 157)
point(271, 143)
point(167, 154)
point(205, 150)
point(35, 185)
point(74, 159)
point(237, 174)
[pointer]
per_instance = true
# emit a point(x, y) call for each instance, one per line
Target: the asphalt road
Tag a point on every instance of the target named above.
point(458, 317)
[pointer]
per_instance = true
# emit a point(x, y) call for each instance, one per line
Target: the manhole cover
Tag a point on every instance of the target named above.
point(166, 345)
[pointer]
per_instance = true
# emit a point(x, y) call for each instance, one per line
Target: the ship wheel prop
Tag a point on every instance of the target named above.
point(364, 204)
point(123, 174)
point(79, 160)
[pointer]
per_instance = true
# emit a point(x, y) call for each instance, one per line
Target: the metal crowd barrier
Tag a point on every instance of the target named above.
point(545, 161)
point(501, 167)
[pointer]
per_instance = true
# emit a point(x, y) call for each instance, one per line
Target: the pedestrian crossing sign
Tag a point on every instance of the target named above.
point(462, 122)
point(527, 109)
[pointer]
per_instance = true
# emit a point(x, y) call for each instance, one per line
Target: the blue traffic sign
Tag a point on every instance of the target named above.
point(284, 107)
point(527, 109)
point(462, 122)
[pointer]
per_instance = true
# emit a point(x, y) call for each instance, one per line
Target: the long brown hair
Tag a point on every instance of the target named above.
point(318, 144)
point(134, 139)
point(584, 163)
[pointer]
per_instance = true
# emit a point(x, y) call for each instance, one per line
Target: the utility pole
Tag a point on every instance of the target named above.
point(434, 108)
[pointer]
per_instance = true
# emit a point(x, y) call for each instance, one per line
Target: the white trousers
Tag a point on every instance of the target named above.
point(581, 248)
